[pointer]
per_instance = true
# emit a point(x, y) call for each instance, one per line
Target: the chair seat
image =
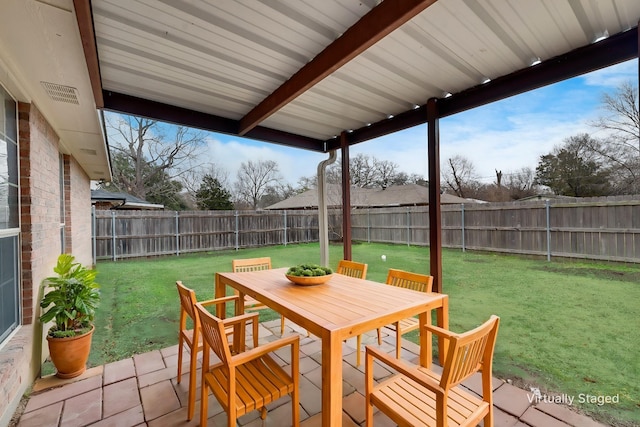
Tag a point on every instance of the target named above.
point(406, 325)
point(252, 303)
point(258, 383)
point(188, 336)
point(404, 400)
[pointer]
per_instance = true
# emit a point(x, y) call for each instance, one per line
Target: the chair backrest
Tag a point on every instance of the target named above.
point(187, 301)
point(408, 280)
point(250, 264)
point(213, 334)
point(469, 353)
point(352, 269)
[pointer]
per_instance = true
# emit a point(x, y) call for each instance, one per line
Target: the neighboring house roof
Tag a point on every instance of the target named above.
point(396, 195)
point(121, 200)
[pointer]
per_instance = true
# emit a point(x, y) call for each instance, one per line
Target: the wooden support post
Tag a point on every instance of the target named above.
point(435, 217)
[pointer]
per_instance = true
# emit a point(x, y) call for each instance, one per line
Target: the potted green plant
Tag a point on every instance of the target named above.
point(71, 304)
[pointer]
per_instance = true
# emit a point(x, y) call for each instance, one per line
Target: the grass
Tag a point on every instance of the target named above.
point(566, 327)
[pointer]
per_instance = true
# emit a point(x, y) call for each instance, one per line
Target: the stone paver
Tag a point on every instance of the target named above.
point(567, 415)
point(83, 410)
point(148, 362)
point(354, 406)
point(159, 399)
point(59, 394)
point(536, 418)
point(131, 417)
point(48, 416)
point(118, 371)
point(120, 396)
point(511, 399)
point(160, 375)
point(142, 391)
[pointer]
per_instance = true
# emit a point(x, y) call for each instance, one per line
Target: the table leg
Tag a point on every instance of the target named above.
point(426, 351)
point(219, 292)
point(442, 315)
point(331, 380)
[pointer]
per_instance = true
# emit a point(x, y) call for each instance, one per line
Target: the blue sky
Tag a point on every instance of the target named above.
point(506, 135)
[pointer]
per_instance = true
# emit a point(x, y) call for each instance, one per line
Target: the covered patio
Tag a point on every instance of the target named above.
point(319, 76)
point(142, 391)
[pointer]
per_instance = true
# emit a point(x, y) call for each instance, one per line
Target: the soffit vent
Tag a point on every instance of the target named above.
point(89, 151)
point(61, 93)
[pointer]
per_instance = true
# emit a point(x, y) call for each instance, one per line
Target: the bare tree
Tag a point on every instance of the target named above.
point(620, 149)
point(521, 183)
point(255, 180)
point(459, 176)
point(386, 172)
point(150, 157)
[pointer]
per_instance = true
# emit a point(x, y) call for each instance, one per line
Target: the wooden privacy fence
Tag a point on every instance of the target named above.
point(598, 228)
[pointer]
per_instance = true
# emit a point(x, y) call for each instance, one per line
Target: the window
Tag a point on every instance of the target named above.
point(9, 216)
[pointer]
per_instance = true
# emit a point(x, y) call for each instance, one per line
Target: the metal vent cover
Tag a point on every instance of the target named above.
point(61, 93)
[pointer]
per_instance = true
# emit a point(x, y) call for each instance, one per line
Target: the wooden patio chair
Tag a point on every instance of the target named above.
point(191, 337)
point(413, 281)
point(248, 380)
point(254, 264)
point(359, 270)
point(418, 396)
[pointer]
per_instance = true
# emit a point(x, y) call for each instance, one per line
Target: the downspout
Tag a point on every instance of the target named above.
point(323, 220)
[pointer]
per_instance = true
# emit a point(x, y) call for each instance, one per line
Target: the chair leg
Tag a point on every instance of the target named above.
point(204, 401)
point(191, 405)
point(398, 340)
point(379, 337)
point(180, 345)
point(358, 343)
point(281, 325)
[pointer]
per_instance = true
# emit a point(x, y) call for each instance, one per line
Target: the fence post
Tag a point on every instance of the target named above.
point(408, 228)
point(368, 225)
point(462, 215)
point(285, 228)
point(113, 235)
point(548, 230)
point(177, 236)
point(237, 232)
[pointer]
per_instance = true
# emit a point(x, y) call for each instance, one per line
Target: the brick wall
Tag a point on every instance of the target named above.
point(21, 356)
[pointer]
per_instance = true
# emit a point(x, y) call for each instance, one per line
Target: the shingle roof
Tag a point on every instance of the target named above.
point(122, 200)
point(396, 195)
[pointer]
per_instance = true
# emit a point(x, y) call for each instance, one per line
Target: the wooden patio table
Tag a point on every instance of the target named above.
point(342, 308)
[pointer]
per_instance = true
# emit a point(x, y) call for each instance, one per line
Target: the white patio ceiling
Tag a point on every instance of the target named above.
point(295, 72)
point(224, 57)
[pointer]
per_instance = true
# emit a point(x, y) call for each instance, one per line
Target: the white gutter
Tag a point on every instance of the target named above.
point(323, 222)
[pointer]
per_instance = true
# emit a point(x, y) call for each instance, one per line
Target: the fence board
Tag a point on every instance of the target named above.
point(598, 228)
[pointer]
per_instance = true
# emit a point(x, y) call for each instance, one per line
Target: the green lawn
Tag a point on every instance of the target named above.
point(566, 327)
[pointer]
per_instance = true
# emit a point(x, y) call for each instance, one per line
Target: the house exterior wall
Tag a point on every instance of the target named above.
point(22, 354)
point(78, 211)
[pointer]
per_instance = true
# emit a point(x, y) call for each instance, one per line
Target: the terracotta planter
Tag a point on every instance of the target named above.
point(70, 355)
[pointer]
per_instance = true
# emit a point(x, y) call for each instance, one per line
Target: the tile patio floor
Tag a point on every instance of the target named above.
point(142, 391)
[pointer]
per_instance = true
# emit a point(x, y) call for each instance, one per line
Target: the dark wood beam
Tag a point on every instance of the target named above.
point(617, 48)
point(84, 18)
point(372, 27)
point(128, 104)
point(435, 212)
point(346, 197)
point(613, 50)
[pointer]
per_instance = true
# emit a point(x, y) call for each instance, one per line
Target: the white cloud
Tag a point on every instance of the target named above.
point(612, 76)
point(229, 155)
point(506, 135)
